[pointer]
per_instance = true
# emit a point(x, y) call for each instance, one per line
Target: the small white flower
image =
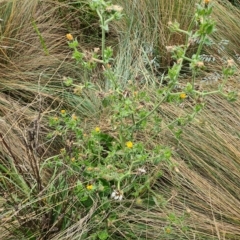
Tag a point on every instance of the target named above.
point(176, 170)
point(170, 48)
point(115, 8)
point(141, 171)
point(117, 195)
point(120, 197)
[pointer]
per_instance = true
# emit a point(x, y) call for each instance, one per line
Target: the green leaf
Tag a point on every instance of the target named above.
point(103, 235)
point(68, 82)
point(40, 38)
point(232, 96)
point(210, 28)
point(178, 133)
point(77, 55)
point(188, 88)
point(105, 27)
point(73, 44)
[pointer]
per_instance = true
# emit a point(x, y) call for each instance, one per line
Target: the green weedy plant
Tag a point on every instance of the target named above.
point(96, 171)
point(101, 167)
point(96, 167)
point(107, 12)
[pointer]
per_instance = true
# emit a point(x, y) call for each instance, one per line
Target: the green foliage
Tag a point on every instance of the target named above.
point(121, 161)
point(40, 38)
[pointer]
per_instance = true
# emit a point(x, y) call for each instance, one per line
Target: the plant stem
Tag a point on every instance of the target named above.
point(103, 41)
point(197, 55)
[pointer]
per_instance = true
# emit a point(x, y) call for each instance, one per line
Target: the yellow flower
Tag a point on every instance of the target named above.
point(206, 2)
point(168, 230)
point(90, 187)
point(97, 129)
point(69, 36)
point(129, 144)
point(55, 118)
point(183, 95)
point(73, 159)
point(63, 111)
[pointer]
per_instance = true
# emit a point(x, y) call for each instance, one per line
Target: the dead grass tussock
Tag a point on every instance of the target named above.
point(32, 76)
point(208, 162)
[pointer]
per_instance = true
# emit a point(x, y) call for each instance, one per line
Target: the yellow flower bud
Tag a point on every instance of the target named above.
point(69, 37)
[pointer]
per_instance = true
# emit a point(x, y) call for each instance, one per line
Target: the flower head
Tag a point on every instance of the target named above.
point(206, 2)
point(129, 144)
point(115, 8)
point(200, 64)
point(89, 187)
point(96, 50)
point(78, 90)
point(63, 111)
point(168, 230)
point(183, 95)
point(230, 62)
point(170, 48)
point(117, 195)
point(139, 201)
point(135, 93)
point(108, 66)
point(69, 36)
point(97, 129)
point(141, 171)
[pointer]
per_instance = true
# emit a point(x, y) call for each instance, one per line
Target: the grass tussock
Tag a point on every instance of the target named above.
point(64, 149)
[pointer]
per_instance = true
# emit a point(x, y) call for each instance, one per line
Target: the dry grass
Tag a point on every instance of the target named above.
point(203, 191)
